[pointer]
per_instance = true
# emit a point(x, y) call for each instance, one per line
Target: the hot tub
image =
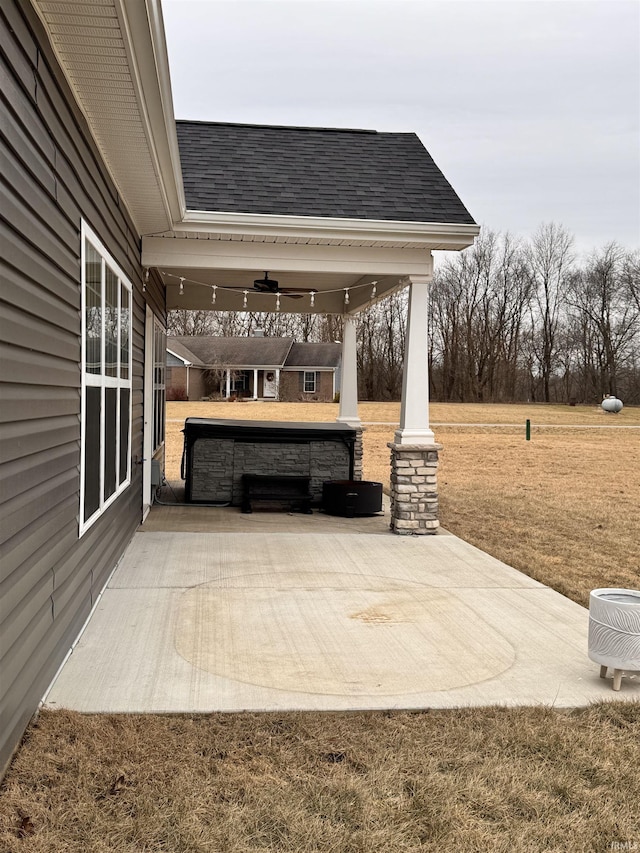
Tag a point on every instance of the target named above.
point(218, 452)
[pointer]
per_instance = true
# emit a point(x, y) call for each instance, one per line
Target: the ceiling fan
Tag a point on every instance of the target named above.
point(270, 285)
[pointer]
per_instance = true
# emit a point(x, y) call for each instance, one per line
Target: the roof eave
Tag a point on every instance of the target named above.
point(185, 361)
point(452, 236)
point(150, 126)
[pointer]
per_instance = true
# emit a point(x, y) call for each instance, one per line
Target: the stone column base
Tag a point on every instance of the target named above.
point(357, 454)
point(414, 489)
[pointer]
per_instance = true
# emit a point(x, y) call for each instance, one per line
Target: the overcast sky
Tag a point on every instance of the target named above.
point(531, 108)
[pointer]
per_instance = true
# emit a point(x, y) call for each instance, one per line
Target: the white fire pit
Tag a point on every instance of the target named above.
point(614, 631)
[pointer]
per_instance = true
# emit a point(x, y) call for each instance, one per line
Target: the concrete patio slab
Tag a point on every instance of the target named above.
point(279, 619)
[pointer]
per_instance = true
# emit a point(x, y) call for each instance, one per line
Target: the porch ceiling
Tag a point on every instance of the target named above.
point(219, 274)
point(221, 254)
point(230, 286)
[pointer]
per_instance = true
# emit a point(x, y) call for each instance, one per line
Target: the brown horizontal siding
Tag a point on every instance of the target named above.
point(24, 262)
point(18, 551)
point(23, 474)
point(27, 507)
point(21, 439)
point(53, 177)
point(32, 368)
point(26, 331)
point(26, 402)
point(32, 300)
point(18, 584)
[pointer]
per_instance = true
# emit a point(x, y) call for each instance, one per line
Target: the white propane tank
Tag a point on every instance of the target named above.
point(612, 404)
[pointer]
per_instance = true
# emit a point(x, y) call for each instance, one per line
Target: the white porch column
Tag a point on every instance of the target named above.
point(255, 383)
point(228, 384)
point(348, 413)
point(277, 383)
point(414, 412)
point(414, 452)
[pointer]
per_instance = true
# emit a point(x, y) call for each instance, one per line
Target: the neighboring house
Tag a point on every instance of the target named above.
point(255, 368)
point(99, 239)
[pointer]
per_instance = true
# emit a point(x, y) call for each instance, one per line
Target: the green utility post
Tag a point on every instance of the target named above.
point(528, 430)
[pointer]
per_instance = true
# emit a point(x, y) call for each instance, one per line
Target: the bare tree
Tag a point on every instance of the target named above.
point(549, 259)
point(477, 309)
point(599, 296)
point(183, 322)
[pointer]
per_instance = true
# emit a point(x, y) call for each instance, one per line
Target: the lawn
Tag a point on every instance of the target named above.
point(564, 509)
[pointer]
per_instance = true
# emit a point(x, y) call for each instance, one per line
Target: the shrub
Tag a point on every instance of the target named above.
point(177, 393)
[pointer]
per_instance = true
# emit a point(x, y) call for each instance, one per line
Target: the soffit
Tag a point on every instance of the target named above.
point(101, 59)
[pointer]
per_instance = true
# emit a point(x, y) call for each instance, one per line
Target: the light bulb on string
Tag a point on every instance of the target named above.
point(313, 298)
point(213, 294)
point(277, 301)
point(346, 296)
point(181, 285)
point(374, 289)
point(244, 301)
point(145, 279)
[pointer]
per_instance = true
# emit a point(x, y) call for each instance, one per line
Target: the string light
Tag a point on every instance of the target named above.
point(312, 293)
point(145, 279)
point(244, 301)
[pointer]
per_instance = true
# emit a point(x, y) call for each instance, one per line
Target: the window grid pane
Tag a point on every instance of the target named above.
point(159, 362)
point(124, 332)
point(93, 309)
point(111, 323)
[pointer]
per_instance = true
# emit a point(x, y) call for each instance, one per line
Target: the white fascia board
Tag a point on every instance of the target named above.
point(332, 228)
point(142, 28)
point(169, 253)
point(180, 358)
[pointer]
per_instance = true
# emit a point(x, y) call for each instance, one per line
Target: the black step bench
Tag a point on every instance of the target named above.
point(284, 488)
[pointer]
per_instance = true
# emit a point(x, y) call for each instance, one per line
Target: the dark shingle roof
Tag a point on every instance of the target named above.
point(234, 352)
point(359, 174)
point(314, 355)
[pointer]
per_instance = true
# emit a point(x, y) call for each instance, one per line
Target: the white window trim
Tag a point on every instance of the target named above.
point(159, 334)
point(306, 373)
point(102, 381)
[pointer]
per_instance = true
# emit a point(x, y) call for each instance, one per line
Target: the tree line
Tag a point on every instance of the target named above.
point(510, 320)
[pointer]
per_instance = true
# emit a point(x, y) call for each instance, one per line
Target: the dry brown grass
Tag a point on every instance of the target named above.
point(473, 780)
point(564, 509)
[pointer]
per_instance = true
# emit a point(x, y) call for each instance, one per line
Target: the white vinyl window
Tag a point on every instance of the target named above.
point(105, 458)
point(159, 370)
point(309, 382)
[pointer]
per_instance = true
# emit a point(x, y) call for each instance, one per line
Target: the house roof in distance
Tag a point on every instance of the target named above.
point(233, 352)
point(314, 355)
point(177, 347)
point(205, 351)
point(326, 172)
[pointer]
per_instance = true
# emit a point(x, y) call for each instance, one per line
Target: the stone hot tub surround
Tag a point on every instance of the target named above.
point(414, 489)
point(218, 452)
